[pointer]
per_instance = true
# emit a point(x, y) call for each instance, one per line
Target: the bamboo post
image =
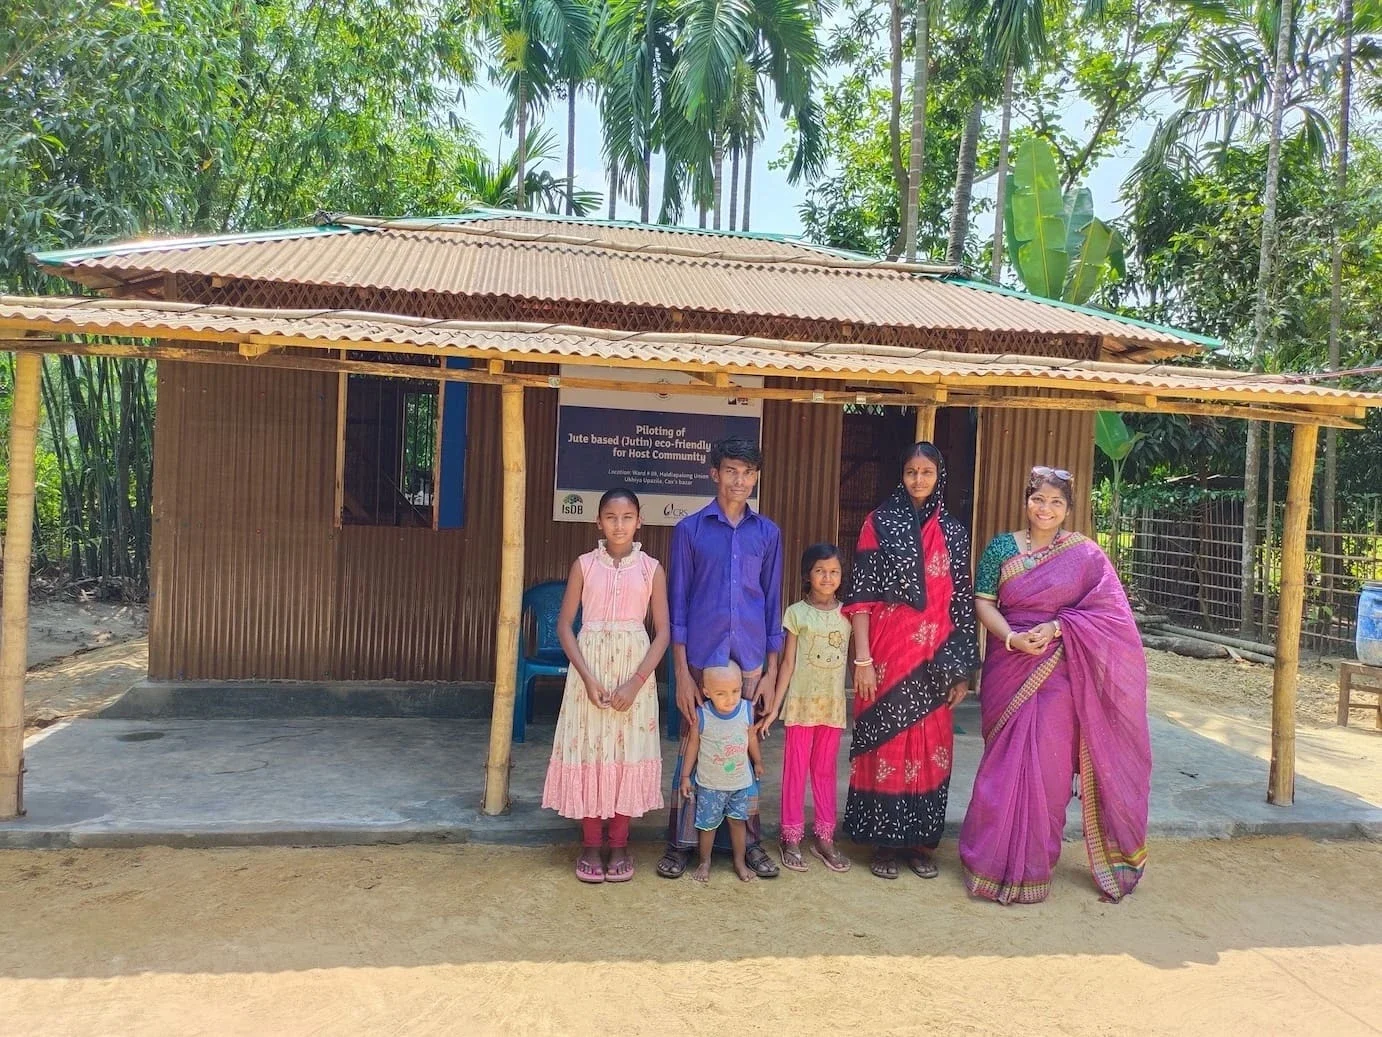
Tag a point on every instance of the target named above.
point(510, 603)
point(14, 632)
point(926, 424)
point(1281, 781)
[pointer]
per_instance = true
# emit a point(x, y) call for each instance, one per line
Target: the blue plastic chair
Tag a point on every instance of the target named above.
point(545, 657)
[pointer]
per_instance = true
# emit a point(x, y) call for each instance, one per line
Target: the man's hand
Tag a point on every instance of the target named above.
point(765, 725)
point(688, 695)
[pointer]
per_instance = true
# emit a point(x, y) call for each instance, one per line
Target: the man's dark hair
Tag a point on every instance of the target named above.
point(736, 448)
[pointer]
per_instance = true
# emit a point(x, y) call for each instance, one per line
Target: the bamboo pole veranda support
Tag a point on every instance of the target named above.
point(926, 424)
point(510, 603)
point(14, 633)
point(1281, 781)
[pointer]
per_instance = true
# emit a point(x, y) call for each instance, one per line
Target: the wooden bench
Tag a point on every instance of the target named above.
point(1355, 677)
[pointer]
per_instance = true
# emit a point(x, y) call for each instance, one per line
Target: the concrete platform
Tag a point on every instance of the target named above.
point(346, 780)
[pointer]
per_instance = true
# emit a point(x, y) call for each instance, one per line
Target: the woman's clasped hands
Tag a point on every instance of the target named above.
point(1034, 641)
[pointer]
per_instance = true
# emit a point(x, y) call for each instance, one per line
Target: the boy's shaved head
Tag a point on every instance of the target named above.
point(728, 675)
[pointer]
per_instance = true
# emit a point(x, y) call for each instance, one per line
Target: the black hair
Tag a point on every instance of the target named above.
point(1035, 482)
point(818, 553)
point(736, 448)
point(926, 450)
point(619, 493)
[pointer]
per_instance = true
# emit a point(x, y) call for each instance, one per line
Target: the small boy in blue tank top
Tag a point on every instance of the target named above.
point(728, 763)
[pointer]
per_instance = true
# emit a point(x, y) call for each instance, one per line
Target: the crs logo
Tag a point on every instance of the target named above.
point(673, 511)
point(572, 504)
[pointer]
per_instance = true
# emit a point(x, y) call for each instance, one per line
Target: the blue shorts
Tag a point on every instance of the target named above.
point(715, 805)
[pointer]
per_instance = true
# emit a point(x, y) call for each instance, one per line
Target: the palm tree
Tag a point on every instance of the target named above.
point(535, 45)
point(1014, 37)
point(576, 63)
point(1336, 269)
point(637, 54)
point(715, 39)
point(921, 59)
point(495, 182)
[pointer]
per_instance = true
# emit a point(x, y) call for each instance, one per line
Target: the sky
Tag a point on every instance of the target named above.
point(775, 202)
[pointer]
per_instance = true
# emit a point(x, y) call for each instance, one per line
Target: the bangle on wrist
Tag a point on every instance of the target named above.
point(1008, 641)
point(863, 662)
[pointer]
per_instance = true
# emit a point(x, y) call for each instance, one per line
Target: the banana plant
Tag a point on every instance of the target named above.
point(1115, 441)
point(1059, 248)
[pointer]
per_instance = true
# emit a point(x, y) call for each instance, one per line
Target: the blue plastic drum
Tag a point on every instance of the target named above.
point(1370, 623)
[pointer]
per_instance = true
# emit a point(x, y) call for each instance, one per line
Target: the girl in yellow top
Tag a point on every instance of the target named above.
point(810, 698)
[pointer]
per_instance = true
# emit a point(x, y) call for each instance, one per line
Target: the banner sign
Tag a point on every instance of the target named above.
point(656, 444)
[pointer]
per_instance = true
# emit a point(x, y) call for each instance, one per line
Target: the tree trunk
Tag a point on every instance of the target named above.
point(571, 88)
point(645, 187)
point(1252, 470)
point(964, 185)
point(895, 102)
point(701, 205)
point(1336, 275)
point(748, 181)
point(1001, 197)
point(717, 157)
point(613, 186)
point(733, 186)
point(921, 59)
point(520, 194)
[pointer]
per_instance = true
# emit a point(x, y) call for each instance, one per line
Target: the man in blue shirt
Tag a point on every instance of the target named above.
point(725, 597)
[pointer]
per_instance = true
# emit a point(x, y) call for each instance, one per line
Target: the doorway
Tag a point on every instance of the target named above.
point(872, 439)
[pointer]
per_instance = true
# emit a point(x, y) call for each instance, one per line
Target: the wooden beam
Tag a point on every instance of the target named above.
point(510, 603)
point(926, 424)
point(1281, 781)
point(995, 394)
point(254, 349)
point(14, 628)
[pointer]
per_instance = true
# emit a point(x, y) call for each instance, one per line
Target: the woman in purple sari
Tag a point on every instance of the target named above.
point(1064, 693)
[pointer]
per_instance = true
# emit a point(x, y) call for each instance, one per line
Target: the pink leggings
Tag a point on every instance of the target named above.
point(814, 748)
point(593, 834)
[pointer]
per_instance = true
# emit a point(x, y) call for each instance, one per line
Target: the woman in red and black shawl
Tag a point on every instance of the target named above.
point(911, 604)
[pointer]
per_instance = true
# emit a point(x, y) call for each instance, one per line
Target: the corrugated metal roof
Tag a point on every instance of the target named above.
point(616, 265)
point(694, 352)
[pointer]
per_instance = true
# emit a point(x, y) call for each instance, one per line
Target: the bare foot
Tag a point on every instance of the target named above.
point(702, 872)
point(745, 873)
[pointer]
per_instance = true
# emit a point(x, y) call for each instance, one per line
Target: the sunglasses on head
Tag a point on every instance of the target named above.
point(1042, 472)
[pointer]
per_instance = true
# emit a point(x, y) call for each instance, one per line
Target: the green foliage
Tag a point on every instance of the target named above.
point(1058, 247)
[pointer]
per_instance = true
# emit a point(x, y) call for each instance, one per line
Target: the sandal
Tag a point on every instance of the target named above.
point(672, 864)
point(831, 858)
point(619, 869)
point(791, 857)
point(589, 868)
point(921, 865)
point(761, 864)
point(884, 864)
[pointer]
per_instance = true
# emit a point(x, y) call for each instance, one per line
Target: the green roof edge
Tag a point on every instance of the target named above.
point(1190, 336)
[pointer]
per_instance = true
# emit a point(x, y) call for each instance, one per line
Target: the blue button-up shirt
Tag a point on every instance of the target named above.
point(725, 590)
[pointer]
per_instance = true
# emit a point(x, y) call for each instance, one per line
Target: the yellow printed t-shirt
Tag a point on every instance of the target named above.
point(816, 694)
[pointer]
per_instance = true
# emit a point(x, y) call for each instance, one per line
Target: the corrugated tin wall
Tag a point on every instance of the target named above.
point(251, 579)
point(1010, 443)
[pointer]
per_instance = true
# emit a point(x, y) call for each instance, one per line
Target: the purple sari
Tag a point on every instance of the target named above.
point(1079, 708)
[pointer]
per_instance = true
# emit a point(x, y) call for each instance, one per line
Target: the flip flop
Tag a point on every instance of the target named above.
point(620, 876)
point(672, 864)
point(838, 863)
point(592, 872)
point(884, 867)
point(760, 863)
point(921, 865)
point(791, 857)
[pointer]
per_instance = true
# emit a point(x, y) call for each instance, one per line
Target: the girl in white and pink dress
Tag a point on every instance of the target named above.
point(607, 756)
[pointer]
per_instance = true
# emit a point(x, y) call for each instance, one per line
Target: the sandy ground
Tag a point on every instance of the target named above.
point(1244, 689)
point(1268, 936)
point(60, 626)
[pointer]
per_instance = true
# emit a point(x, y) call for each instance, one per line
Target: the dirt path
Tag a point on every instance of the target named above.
point(1268, 936)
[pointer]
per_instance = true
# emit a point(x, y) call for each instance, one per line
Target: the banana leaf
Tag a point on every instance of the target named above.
point(1090, 263)
point(1038, 220)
